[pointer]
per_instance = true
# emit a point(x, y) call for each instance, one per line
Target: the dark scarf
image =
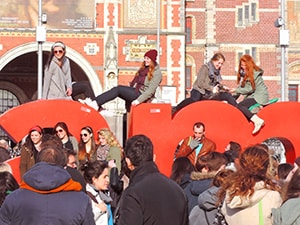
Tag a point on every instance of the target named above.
point(139, 80)
point(214, 74)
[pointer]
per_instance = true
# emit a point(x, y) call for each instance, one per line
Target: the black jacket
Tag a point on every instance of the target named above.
point(152, 198)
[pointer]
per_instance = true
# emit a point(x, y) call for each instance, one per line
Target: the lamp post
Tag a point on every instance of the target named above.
point(284, 42)
point(40, 38)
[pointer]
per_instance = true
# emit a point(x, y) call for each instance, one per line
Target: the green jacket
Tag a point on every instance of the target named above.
point(260, 94)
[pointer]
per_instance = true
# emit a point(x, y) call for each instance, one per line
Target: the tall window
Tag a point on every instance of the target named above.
point(188, 30)
point(8, 100)
point(246, 14)
point(293, 92)
point(188, 79)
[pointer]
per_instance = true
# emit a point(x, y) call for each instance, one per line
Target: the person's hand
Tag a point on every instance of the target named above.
point(216, 89)
point(102, 206)
point(135, 102)
point(194, 143)
point(240, 98)
point(69, 92)
point(112, 163)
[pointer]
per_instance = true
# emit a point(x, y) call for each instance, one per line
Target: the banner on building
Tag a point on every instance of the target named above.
point(68, 14)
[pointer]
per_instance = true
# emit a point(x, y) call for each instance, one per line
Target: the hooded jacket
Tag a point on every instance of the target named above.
point(288, 213)
point(205, 212)
point(200, 183)
point(242, 210)
point(49, 196)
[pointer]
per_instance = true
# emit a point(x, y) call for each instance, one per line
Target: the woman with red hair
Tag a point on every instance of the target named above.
point(251, 89)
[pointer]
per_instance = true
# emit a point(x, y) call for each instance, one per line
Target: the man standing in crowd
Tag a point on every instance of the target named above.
point(47, 195)
point(151, 197)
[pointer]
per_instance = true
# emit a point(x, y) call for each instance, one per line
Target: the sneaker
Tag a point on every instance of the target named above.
point(106, 113)
point(93, 104)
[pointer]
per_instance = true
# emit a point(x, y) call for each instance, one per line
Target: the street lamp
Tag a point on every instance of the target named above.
point(40, 38)
point(284, 42)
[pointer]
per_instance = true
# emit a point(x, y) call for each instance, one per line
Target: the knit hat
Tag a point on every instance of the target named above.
point(36, 128)
point(151, 54)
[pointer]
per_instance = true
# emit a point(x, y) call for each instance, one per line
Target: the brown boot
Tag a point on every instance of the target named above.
point(258, 123)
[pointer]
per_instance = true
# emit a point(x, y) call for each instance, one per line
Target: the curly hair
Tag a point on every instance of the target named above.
point(109, 137)
point(254, 166)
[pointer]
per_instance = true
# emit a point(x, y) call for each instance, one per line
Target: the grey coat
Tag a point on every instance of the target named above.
point(57, 80)
point(204, 213)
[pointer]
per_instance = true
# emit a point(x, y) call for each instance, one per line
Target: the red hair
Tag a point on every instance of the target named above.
point(250, 68)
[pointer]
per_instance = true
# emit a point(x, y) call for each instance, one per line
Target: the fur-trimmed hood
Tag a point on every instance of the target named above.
point(202, 176)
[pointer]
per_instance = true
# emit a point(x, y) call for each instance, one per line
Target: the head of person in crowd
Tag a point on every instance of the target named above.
point(4, 154)
point(254, 167)
point(50, 140)
point(218, 60)
point(96, 173)
point(52, 155)
point(292, 189)
point(71, 157)
point(58, 50)
point(106, 137)
point(86, 137)
point(149, 62)
point(4, 166)
point(283, 170)
point(87, 146)
point(62, 131)
point(34, 137)
point(232, 151)
point(221, 176)
point(246, 70)
point(199, 130)
point(181, 170)
point(4, 144)
point(211, 162)
point(138, 150)
point(7, 185)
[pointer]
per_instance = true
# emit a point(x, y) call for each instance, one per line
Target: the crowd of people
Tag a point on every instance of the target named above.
point(97, 181)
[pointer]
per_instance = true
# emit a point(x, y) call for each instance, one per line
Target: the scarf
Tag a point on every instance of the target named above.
point(139, 80)
point(214, 74)
point(102, 152)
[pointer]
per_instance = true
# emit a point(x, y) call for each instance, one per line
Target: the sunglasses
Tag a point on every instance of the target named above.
point(59, 131)
point(85, 135)
point(59, 51)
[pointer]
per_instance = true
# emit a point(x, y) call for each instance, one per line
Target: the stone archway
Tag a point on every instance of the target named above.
point(31, 47)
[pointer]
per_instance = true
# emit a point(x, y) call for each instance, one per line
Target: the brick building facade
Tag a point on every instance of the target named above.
point(110, 50)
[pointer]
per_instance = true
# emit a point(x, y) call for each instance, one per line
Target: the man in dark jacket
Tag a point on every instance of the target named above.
point(47, 195)
point(151, 197)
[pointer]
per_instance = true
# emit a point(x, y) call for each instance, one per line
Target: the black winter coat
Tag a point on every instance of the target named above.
point(152, 198)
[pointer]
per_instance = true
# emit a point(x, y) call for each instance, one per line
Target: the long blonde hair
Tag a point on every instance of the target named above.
point(109, 137)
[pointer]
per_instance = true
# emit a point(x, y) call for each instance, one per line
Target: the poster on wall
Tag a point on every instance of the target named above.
point(68, 14)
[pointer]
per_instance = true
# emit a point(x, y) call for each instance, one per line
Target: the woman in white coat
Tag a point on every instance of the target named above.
point(57, 76)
